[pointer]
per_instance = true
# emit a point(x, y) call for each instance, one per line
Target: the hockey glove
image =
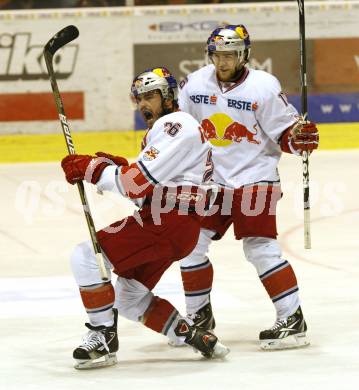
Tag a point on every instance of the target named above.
point(79, 167)
point(117, 160)
point(84, 167)
point(302, 136)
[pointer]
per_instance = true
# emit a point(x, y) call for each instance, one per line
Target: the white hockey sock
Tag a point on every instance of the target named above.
point(101, 318)
point(287, 306)
point(193, 304)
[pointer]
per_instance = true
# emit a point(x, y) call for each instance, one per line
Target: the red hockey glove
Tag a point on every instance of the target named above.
point(302, 136)
point(115, 159)
point(79, 167)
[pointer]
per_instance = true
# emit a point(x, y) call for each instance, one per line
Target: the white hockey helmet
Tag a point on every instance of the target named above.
point(230, 38)
point(155, 78)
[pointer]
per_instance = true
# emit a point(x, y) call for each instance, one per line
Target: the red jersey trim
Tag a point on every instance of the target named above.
point(134, 182)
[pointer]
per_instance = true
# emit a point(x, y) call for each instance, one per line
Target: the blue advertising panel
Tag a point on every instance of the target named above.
point(330, 108)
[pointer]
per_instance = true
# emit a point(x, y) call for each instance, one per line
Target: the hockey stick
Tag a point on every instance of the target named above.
point(59, 40)
point(305, 154)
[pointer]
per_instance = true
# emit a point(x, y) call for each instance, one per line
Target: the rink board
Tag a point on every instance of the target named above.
point(51, 147)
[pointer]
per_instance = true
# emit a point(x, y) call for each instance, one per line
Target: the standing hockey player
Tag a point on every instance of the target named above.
point(169, 178)
point(249, 122)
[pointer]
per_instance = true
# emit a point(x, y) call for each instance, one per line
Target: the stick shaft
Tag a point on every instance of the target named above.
point(71, 149)
point(304, 111)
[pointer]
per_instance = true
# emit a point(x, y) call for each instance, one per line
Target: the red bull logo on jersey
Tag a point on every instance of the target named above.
point(222, 130)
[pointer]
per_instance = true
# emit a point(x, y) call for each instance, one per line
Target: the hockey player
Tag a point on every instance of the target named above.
point(169, 178)
point(249, 122)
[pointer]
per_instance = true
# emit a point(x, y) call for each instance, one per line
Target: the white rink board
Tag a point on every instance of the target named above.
point(265, 21)
point(102, 65)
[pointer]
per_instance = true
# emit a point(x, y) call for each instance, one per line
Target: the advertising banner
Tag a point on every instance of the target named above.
point(331, 108)
point(96, 70)
point(280, 58)
point(336, 63)
point(265, 21)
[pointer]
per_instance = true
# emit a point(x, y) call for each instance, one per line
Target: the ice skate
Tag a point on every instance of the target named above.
point(201, 340)
point(286, 333)
point(203, 318)
point(99, 347)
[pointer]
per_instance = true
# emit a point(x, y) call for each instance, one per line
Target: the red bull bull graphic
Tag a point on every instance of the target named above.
point(222, 130)
point(209, 129)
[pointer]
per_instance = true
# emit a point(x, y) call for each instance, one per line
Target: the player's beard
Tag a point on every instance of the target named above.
point(226, 75)
point(231, 75)
point(166, 111)
point(151, 117)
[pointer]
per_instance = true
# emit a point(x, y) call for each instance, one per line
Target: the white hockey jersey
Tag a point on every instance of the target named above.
point(176, 153)
point(243, 123)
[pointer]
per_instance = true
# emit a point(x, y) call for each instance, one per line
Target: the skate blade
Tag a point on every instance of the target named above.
point(298, 340)
point(220, 351)
point(103, 361)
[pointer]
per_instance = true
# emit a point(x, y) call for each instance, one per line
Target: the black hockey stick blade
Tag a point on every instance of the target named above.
point(60, 39)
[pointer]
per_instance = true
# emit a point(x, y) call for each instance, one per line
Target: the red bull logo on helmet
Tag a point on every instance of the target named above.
point(138, 83)
point(222, 130)
point(242, 32)
point(162, 72)
point(219, 41)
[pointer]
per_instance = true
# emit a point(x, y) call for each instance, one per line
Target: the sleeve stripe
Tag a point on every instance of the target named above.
point(118, 182)
point(147, 174)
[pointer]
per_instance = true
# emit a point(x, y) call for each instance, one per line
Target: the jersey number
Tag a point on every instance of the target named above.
point(172, 128)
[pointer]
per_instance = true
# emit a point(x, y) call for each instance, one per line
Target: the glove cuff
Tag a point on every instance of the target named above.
point(94, 170)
